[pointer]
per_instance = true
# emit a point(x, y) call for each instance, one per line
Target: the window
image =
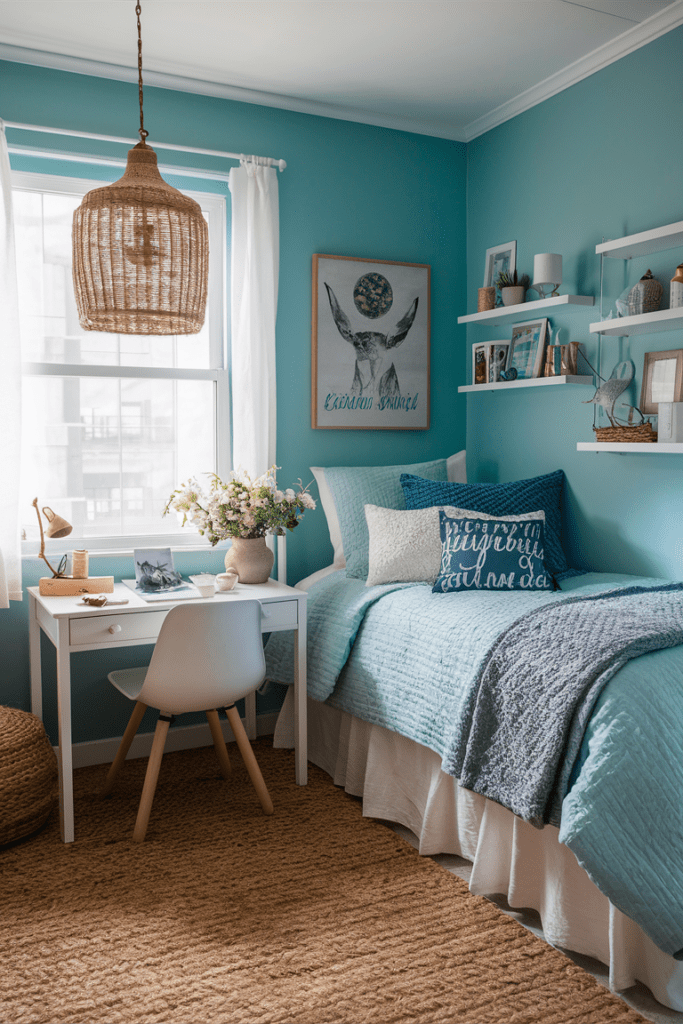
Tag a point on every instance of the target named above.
point(111, 423)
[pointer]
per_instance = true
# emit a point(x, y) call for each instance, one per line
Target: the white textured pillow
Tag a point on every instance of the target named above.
point(456, 472)
point(405, 545)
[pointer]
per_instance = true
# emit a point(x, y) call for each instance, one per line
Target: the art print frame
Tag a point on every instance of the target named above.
point(661, 383)
point(370, 344)
point(480, 363)
point(499, 259)
point(527, 348)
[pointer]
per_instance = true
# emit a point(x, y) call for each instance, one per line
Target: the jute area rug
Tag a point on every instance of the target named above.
point(314, 915)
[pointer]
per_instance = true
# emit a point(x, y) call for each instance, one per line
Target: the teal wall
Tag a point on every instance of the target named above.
point(349, 189)
point(603, 158)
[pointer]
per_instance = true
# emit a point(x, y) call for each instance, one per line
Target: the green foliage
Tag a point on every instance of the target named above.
point(507, 280)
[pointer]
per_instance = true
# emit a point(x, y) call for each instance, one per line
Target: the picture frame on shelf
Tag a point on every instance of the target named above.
point(499, 259)
point(662, 380)
point(370, 344)
point(488, 361)
point(480, 365)
point(497, 355)
point(527, 348)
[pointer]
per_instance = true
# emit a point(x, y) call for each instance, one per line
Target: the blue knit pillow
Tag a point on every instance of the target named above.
point(539, 492)
point(354, 487)
point(491, 554)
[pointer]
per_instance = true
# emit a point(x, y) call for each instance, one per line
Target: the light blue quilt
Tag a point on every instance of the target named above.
point(413, 667)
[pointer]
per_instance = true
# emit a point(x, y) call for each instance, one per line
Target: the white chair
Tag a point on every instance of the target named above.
point(207, 656)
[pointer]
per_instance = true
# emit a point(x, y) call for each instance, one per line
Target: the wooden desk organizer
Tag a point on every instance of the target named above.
point(67, 586)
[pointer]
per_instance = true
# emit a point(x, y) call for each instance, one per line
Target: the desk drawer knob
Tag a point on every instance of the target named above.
point(114, 629)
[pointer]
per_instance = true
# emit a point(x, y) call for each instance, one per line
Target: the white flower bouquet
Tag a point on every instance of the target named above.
point(241, 507)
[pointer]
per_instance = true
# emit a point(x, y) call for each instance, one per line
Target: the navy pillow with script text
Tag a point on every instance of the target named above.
point(491, 554)
point(517, 496)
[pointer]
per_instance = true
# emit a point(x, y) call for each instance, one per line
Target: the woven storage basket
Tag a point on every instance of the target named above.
point(642, 432)
point(28, 774)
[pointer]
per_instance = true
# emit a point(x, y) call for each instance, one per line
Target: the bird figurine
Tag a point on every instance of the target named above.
point(607, 394)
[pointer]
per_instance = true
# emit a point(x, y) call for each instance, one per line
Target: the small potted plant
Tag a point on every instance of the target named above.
point(512, 288)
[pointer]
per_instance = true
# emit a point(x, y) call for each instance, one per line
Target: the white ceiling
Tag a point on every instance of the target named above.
point(450, 68)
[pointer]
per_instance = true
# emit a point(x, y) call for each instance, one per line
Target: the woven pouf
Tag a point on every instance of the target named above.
point(28, 774)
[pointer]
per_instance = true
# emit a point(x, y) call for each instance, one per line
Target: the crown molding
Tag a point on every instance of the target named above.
point(180, 83)
point(632, 39)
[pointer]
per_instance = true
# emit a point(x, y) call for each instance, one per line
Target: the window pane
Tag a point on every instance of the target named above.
point(50, 330)
point(106, 452)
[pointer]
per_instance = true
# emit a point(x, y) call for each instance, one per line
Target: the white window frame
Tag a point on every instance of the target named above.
point(218, 372)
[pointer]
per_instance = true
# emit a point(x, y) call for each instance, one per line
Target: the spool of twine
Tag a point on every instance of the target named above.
point(79, 565)
point(486, 299)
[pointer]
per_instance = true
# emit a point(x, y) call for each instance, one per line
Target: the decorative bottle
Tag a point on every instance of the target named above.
point(676, 294)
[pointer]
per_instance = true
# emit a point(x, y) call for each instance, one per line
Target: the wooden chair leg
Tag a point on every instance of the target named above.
point(151, 777)
point(124, 747)
point(219, 743)
point(249, 759)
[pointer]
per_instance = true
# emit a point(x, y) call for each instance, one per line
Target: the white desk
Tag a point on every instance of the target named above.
point(73, 626)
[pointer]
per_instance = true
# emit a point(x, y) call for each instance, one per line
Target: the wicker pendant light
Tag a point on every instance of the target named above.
point(140, 250)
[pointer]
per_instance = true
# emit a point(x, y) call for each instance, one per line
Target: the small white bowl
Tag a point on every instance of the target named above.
point(204, 584)
point(226, 580)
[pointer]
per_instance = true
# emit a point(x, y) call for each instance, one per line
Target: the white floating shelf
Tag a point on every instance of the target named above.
point(644, 323)
point(649, 447)
point(507, 314)
point(668, 237)
point(531, 382)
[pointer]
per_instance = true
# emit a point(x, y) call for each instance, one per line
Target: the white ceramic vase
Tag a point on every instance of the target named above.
point(251, 558)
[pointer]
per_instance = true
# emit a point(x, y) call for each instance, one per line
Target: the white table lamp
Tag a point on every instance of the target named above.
point(547, 274)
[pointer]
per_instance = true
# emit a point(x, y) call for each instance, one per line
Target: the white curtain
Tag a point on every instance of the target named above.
point(255, 261)
point(10, 397)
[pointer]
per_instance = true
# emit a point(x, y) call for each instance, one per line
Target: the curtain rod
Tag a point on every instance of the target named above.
point(112, 161)
point(267, 161)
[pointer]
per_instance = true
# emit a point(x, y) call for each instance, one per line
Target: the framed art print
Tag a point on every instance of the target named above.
point(370, 344)
point(500, 259)
point(662, 379)
point(496, 358)
point(527, 348)
point(480, 363)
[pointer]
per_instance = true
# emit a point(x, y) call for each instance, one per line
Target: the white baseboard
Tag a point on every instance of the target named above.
point(183, 738)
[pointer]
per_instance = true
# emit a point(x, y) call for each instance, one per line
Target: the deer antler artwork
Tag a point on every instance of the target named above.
point(375, 373)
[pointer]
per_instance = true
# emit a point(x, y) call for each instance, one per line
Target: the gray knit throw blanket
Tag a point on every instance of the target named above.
point(521, 732)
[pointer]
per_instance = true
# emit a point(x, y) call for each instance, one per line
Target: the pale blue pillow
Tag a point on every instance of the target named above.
point(354, 487)
point(492, 554)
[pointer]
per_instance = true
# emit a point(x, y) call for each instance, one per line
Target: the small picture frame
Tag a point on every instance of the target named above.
point(154, 571)
point(527, 348)
point(497, 354)
point(480, 366)
point(662, 380)
point(488, 361)
point(499, 259)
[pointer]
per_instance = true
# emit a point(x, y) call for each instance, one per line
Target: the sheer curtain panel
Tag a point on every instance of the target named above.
point(254, 282)
point(10, 400)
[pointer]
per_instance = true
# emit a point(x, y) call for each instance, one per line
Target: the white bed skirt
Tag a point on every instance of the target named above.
point(401, 781)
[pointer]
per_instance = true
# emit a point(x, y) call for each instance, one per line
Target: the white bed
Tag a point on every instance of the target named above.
point(400, 780)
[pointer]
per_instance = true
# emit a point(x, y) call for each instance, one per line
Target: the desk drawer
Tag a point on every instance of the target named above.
point(107, 629)
point(279, 615)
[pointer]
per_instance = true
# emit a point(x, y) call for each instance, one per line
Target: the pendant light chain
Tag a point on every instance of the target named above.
point(141, 132)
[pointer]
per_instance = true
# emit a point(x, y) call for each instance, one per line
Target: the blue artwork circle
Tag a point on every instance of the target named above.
point(373, 295)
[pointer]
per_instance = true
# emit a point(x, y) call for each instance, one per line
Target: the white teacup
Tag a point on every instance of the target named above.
point(226, 580)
